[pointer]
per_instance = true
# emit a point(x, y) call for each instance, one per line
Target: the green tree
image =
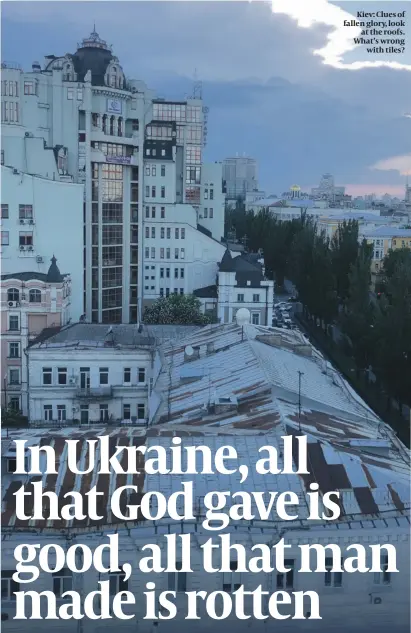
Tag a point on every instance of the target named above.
point(393, 327)
point(391, 263)
point(177, 310)
point(358, 320)
point(344, 253)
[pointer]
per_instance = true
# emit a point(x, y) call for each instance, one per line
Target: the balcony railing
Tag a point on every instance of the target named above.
point(94, 392)
point(58, 424)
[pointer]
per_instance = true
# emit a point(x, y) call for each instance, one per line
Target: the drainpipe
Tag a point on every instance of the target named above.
point(27, 384)
point(266, 306)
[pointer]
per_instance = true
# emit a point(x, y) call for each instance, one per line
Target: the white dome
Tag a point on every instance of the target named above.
point(243, 316)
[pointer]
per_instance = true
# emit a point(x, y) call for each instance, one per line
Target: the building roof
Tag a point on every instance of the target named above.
point(208, 292)
point(389, 231)
point(83, 335)
point(93, 54)
point(53, 274)
point(226, 264)
point(255, 370)
point(32, 276)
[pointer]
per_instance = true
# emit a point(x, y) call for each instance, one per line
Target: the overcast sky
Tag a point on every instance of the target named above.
point(279, 78)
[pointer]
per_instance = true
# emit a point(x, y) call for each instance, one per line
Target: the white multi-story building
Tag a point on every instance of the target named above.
point(90, 373)
point(241, 283)
point(30, 303)
point(327, 189)
point(240, 176)
point(40, 217)
point(131, 152)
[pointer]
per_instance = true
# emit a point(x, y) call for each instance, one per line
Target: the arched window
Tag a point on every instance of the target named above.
point(35, 296)
point(120, 126)
point(13, 294)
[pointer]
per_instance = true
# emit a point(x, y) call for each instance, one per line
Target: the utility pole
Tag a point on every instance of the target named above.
point(300, 373)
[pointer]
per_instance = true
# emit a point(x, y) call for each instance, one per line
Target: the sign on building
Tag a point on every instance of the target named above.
point(114, 106)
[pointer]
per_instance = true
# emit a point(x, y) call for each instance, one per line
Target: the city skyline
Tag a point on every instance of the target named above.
point(277, 108)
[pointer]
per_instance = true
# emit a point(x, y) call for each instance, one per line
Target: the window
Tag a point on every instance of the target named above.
point(103, 375)
point(153, 192)
point(25, 211)
point(286, 581)
point(5, 238)
point(14, 403)
point(103, 412)
point(47, 375)
point(176, 253)
point(167, 292)
point(168, 273)
point(29, 88)
point(79, 94)
point(147, 212)
point(161, 273)
point(163, 170)
point(256, 298)
point(181, 273)
point(14, 350)
point(148, 170)
point(126, 375)
point(126, 412)
point(181, 291)
point(14, 323)
point(162, 232)
point(206, 213)
point(70, 93)
point(146, 252)
point(161, 253)
point(177, 233)
point(153, 212)
point(255, 318)
point(26, 239)
point(2, 157)
point(183, 234)
point(240, 298)
point(61, 375)
point(153, 253)
point(332, 579)
point(14, 376)
point(383, 577)
point(48, 412)
point(163, 192)
point(175, 273)
point(183, 253)
point(163, 213)
point(62, 582)
point(168, 253)
point(61, 413)
point(153, 232)
point(147, 191)
point(161, 292)
point(13, 294)
point(211, 194)
point(141, 411)
point(232, 579)
point(153, 170)
point(205, 194)
point(8, 585)
point(147, 231)
point(141, 374)
point(177, 581)
point(35, 296)
point(117, 582)
point(4, 211)
point(211, 213)
point(168, 233)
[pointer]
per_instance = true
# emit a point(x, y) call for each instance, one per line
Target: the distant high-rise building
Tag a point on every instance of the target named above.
point(407, 193)
point(327, 189)
point(240, 175)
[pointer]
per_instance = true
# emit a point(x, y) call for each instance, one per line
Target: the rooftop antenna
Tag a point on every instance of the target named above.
point(197, 87)
point(300, 373)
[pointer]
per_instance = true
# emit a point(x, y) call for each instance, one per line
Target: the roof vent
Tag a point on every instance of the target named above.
point(191, 353)
point(210, 347)
point(225, 403)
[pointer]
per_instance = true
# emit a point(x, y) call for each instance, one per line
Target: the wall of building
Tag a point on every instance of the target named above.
point(212, 208)
point(113, 394)
point(259, 301)
point(56, 229)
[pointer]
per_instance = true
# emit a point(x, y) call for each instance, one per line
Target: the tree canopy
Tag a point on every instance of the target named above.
point(176, 310)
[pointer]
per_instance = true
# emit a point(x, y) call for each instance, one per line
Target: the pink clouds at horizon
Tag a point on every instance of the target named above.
point(363, 190)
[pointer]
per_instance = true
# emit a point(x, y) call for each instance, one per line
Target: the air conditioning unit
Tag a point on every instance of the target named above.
point(29, 248)
point(13, 304)
point(39, 259)
point(21, 221)
point(22, 248)
point(16, 171)
point(31, 222)
point(28, 135)
point(72, 380)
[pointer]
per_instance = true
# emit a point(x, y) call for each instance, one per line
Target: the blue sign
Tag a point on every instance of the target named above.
point(114, 106)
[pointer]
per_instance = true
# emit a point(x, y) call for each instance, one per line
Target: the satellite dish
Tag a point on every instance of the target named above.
point(189, 351)
point(243, 316)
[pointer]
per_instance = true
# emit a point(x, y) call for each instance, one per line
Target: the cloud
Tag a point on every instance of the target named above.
point(340, 39)
point(401, 164)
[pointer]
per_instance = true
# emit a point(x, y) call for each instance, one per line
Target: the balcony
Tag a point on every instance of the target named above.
point(14, 386)
point(94, 392)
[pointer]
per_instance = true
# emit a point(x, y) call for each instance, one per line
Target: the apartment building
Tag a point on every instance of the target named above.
point(30, 302)
point(127, 149)
point(383, 239)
